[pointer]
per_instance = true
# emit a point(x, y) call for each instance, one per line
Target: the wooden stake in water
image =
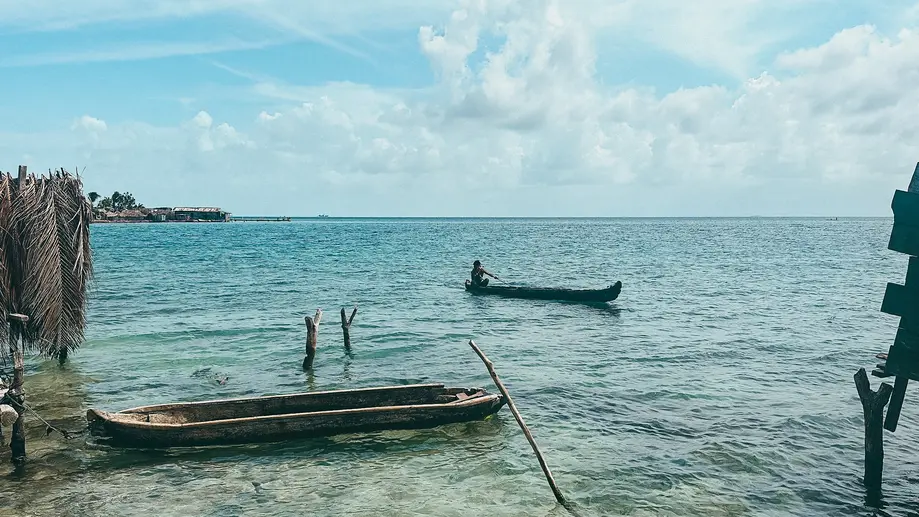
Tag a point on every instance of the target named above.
point(312, 336)
point(346, 327)
point(873, 403)
point(526, 431)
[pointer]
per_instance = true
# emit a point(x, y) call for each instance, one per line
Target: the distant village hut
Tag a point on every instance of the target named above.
point(201, 213)
point(132, 215)
point(161, 214)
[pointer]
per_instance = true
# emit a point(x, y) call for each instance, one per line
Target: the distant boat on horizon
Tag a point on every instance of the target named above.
point(323, 215)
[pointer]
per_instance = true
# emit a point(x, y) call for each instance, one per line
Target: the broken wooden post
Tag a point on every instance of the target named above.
point(16, 393)
point(873, 408)
point(346, 327)
point(312, 335)
point(526, 431)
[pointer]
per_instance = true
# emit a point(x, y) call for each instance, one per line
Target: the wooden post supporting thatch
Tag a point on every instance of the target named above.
point(873, 408)
point(526, 430)
point(346, 327)
point(312, 336)
point(16, 393)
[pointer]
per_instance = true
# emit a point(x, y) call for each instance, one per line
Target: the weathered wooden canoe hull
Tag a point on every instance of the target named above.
point(299, 416)
point(545, 293)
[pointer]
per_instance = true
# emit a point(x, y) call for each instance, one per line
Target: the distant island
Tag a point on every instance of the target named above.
point(123, 208)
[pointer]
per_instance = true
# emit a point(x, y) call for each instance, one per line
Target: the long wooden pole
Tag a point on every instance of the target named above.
point(526, 431)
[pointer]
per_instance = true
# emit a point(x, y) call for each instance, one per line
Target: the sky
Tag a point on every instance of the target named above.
point(469, 107)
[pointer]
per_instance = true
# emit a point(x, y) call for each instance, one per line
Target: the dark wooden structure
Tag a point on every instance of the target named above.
point(297, 416)
point(256, 219)
point(607, 294)
point(902, 359)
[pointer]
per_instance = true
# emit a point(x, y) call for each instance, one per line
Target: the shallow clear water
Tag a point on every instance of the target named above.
point(719, 383)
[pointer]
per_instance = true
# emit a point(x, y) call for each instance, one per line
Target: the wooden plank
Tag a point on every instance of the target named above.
point(896, 404)
point(906, 338)
point(903, 362)
point(881, 370)
point(909, 324)
point(904, 239)
point(912, 273)
point(901, 301)
point(905, 206)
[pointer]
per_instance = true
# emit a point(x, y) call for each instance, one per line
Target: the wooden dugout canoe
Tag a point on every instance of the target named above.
point(549, 293)
point(296, 416)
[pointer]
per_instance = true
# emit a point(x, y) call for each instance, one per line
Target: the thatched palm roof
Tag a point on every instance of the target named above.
point(46, 260)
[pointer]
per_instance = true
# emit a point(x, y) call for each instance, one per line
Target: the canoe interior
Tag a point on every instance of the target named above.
point(550, 293)
point(216, 410)
point(291, 417)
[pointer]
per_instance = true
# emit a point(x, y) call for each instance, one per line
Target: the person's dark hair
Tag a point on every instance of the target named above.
point(476, 264)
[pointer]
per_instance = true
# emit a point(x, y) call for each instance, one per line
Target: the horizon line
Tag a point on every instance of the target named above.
point(827, 217)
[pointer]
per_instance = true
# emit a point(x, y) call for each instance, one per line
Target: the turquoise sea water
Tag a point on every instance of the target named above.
point(719, 383)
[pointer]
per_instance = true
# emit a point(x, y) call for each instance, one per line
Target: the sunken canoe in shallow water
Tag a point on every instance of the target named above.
point(302, 415)
point(549, 293)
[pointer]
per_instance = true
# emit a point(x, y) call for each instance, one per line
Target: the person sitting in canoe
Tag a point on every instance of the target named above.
point(478, 275)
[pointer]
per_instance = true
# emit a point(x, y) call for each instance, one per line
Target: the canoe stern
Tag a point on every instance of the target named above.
point(96, 420)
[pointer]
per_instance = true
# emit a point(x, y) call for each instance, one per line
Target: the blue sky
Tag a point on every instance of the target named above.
point(475, 107)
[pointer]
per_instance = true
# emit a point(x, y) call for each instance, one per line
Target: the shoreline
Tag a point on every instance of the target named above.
point(144, 221)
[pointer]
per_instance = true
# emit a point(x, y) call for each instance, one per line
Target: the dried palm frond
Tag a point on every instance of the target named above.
point(9, 246)
point(73, 216)
point(46, 259)
point(43, 286)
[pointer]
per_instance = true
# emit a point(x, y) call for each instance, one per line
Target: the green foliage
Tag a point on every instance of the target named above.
point(117, 202)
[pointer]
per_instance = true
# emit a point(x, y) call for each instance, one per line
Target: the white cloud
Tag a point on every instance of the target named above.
point(532, 118)
point(203, 120)
point(730, 36)
point(341, 16)
point(90, 124)
point(135, 52)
